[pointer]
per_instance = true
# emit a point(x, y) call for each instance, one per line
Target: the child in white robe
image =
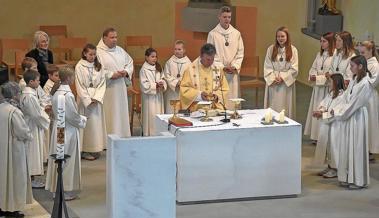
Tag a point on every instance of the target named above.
point(353, 168)
point(38, 121)
point(280, 72)
point(45, 101)
point(74, 121)
point(173, 73)
point(53, 73)
point(368, 50)
point(152, 87)
point(326, 142)
point(341, 58)
point(15, 189)
point(317, 78)
point(90, 86)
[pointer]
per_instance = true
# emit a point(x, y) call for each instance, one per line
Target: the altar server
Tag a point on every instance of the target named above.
point(280, 72)
point(90, 86)
point(152, 87)
point(173, 73)
point(353, 168)
point(341, 58)
point(15, 188)
point(327, 149)
point(53, 73)
point(38, 121)
point(229, 51)
point(368, 50)
point(317, 78)
point(119, 66)
point(74, 121)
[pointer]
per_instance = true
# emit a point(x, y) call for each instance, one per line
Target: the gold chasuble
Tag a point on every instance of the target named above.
point(197, 79)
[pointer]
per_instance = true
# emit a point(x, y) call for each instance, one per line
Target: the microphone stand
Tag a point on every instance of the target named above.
point(226, 119)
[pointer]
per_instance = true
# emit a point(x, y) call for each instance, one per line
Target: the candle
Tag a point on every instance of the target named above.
point(281, 116)
point(268, 116)
point(60, 127)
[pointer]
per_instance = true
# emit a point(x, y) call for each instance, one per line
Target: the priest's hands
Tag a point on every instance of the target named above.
point(327, 75)
point(207, 97)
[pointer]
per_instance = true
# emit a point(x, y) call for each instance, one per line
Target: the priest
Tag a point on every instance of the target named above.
point(230, 51)
point(204, 81)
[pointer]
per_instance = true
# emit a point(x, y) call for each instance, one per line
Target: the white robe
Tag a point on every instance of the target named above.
point(373, 106)
point(343, 65)
point(47, 88)
point(15, 186)
point(326, 141)
point(232, 54)
point(173, 73)
point(116, 107)
point(74, 121)
point(353, 164)
point(94, 135)
point(38, 121)
point(282, 96)
point(152, 98)
point(320, 66)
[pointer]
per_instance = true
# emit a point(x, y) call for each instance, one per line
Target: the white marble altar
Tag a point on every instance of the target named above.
point(240, 159)
point(141, 177)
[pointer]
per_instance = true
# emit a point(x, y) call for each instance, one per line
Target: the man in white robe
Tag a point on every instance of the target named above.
point(229, 52)
point(173, 73)
point(119, 66)
point(15, 188)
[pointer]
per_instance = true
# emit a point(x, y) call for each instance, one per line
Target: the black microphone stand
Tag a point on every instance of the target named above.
point(226, 119)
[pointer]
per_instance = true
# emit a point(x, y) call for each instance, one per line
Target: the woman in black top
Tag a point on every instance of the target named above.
point(41, 54)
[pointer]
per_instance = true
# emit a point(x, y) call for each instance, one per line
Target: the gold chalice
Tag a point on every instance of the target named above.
point(174, 104)
point(237, 103)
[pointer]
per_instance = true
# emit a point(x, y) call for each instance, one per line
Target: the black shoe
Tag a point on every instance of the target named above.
point(11, 214)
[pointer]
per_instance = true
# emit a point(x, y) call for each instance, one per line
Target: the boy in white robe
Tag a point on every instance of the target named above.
point(44, 98)
point(229, 52)
point(119, 66)
point(52, 71)
point(317, 78)
point(152, 88)
point(280, 72)
point(90, 86)
point(38, 121)
point(74, 121)
point(15, 189)
point(353, 168)
point(173, 73)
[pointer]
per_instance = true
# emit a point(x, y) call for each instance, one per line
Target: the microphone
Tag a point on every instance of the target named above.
point(226, 119)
